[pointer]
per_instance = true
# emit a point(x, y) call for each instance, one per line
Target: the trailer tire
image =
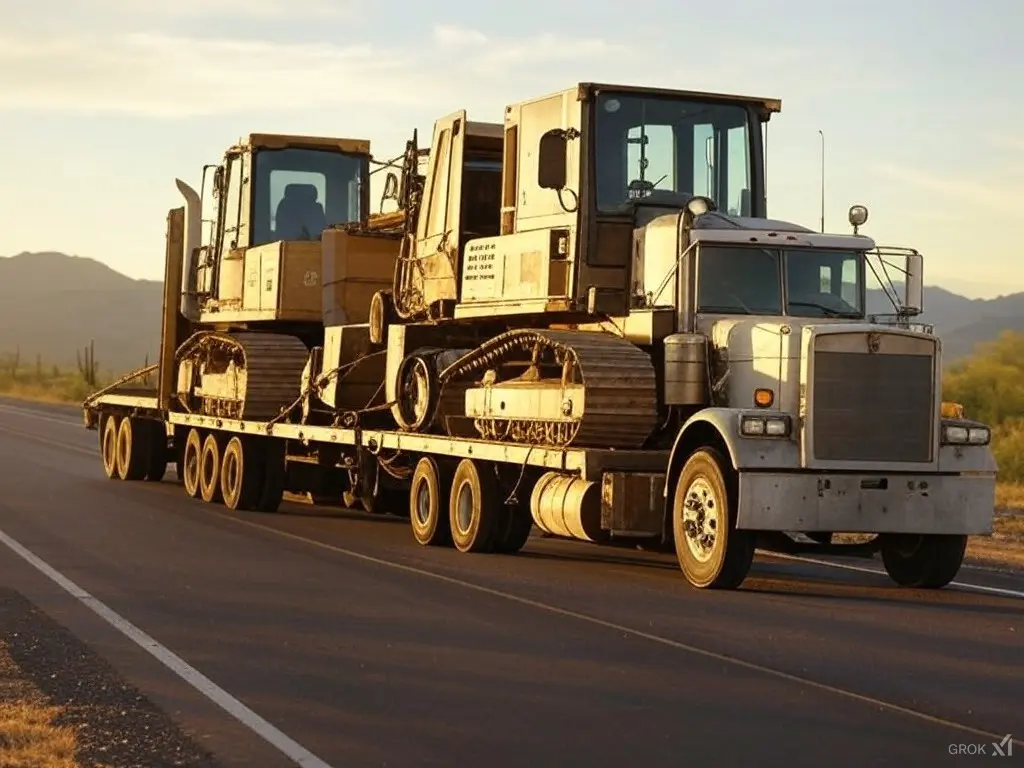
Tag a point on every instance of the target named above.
point(241, 478)
point(190, 461)
point(272, 459)
point(706, 493)
point(925, 561)
point(515, 530)
point(474, 508)
point(428, 504)
point(156, 438)
point(209, 470)
point(108, 446)
point(132, 449)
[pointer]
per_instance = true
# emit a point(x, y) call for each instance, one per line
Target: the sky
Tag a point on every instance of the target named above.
point(103, 103)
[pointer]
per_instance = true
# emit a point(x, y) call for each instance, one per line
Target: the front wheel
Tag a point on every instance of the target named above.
point(923, 561)
point(711, 552)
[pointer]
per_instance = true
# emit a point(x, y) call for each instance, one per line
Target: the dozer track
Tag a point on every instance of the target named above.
point(621, 402)
point(270, 365)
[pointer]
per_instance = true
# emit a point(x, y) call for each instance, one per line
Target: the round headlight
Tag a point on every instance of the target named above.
point(858, 215)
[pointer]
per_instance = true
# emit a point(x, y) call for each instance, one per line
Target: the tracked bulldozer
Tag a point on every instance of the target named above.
point(252, 286)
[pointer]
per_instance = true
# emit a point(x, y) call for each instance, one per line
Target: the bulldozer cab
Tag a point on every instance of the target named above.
point(538, 215)
point(274, 193)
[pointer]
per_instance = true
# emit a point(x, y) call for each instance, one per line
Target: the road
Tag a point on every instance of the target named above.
point(367, 650)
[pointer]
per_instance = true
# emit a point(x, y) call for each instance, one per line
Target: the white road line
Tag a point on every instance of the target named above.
point(879, 572)
point(31, 413)
point(623, 629)
point(292, 749)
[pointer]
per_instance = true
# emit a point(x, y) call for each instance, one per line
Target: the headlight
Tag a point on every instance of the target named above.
point(764, 426)
point(956, 434)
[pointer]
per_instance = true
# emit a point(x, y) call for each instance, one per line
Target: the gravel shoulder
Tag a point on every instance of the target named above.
point(62, 706)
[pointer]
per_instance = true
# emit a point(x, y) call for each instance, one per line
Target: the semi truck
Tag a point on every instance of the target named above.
point(579, 319)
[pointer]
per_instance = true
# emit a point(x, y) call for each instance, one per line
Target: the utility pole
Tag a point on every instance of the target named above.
point(822, 134)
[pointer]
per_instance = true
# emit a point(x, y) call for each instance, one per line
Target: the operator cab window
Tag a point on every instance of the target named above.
point(739, 280)
point(298, 193)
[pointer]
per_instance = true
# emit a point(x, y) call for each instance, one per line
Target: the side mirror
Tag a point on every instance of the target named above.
point(913, 288)
point(391, 186)
point(551, 160)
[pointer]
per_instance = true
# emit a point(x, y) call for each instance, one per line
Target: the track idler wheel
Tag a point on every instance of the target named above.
point(418, 388)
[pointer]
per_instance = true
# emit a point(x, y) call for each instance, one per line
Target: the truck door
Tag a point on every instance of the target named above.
point(438, 228)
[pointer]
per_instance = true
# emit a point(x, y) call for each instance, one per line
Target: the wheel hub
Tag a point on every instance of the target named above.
point(700, 519)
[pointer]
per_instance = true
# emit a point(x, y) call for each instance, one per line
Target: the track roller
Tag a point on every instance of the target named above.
point(190, 462)
point(132, 448)
point(429, 502)
point(474, 509)
point(241, 474)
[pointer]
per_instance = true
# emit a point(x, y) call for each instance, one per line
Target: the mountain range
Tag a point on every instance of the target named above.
point(52, 305)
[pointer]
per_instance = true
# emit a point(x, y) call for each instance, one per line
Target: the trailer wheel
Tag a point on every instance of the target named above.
point(209, 470)
point(272, 459)
point(428, 504)
point(711, 552)
point(474, 508)
point(156, 438)
point(240, 476)
point(928, 561)
point(517, 523)
point(132, 449)
point(190, 462)
point(108, 446)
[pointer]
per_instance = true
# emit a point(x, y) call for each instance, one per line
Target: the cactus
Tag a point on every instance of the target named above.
point(87, 364)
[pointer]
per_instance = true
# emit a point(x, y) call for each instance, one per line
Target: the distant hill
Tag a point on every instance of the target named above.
point(52, 304)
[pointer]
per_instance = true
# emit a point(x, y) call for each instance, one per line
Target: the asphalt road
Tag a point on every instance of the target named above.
point(368, 650)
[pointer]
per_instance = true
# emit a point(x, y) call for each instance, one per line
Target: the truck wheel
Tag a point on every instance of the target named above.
point(474, 509)
point(428, 504)
point(517, 523)
point(108, 446)
point(711, 552)
point(132, 449)
point(272, 459)
point(190, 462)
point(209, 470)
point(240, 476)
point(156, 438)
point(928, 561)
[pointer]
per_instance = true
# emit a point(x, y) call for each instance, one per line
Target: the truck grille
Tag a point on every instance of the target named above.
point(873, 407)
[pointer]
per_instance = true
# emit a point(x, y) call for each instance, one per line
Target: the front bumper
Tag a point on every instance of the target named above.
point(867, 503)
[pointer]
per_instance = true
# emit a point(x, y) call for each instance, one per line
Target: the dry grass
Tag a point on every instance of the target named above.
point(28, 737)
point(1010, 496)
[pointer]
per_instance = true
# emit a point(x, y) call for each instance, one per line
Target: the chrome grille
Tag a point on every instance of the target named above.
point(872, 407)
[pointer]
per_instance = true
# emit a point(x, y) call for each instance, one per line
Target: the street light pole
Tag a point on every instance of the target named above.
point(822, 134)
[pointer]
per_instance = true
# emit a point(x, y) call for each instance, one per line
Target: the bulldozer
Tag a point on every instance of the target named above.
point(252, 293)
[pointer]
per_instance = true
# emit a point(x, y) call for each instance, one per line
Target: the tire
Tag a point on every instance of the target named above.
point(517, 523)
point(132, 449)
point(474, 508)
point(190, 462)
point(209, 470)
point(241, 477)
point(272, 460)
point(156, 438)
point(926, 561)
point(108, 446)
point(713, 556)
point(429, 503)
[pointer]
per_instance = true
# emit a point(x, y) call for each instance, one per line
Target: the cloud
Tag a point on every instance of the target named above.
point(998, 197)
point(165, 75)
point(1006, 141)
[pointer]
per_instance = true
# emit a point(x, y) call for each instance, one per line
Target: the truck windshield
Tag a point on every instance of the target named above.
point(297, 193)
point(673, 145)
point(749, 280)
